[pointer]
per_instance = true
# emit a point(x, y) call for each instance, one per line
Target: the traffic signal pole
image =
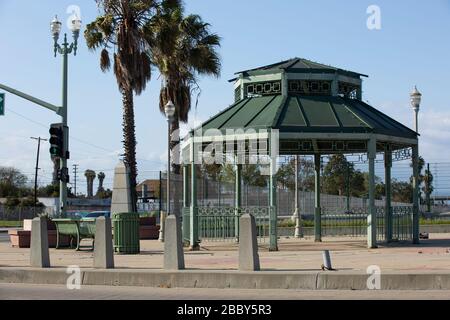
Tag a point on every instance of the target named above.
point(63, 161)
point(59, 110)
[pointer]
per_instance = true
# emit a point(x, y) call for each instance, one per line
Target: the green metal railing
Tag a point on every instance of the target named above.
point(353, 223)
point(402, 223)
point(222, 223)
point(341, 222)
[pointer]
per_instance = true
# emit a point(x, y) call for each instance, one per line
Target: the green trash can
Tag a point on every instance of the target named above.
point(126, 233)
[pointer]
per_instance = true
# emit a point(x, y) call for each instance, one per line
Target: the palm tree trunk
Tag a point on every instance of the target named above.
point(129, 142)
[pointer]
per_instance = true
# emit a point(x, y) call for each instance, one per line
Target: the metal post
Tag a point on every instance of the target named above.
point(317, 211)
point(185, 218)
point(162, 215)
point(388, 218)
point(193, 237)
point(347, 180)
point(372, 216)
point(75, 176)
point(416, 120)
point(238, 196)
point(185, 186)
point(169, 121)
point(273, 216)
point(39, 139)
point(428, 189)
point(63, 160)
point(415, 185)
point(298, 224)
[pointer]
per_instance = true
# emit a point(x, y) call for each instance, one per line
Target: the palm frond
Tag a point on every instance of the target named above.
point(105, 62)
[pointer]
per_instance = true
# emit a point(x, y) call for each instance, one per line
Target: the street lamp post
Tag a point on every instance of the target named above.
point(416, 98)
point(298, 227)
point(169, 110)
point(65, 49)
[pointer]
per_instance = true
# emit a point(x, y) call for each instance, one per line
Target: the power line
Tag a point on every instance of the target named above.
point(81, 140)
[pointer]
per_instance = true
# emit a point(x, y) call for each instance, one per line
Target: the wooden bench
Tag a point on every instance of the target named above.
point(78, 229)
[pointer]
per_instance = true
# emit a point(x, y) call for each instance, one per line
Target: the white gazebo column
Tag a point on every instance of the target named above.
point(415, 185)
point(372, 214)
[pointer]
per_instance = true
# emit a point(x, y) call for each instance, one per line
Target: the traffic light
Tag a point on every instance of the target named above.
point(63, 175)
point(59, 141)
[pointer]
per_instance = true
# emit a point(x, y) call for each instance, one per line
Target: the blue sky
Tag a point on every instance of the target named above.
point(411, 48)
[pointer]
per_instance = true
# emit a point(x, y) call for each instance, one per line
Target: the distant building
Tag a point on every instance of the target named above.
point(148, 190)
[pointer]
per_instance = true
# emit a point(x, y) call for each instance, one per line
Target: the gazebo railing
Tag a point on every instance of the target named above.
point(353, 223)
point(402, 223)
point(340, 222)
point(222, 223)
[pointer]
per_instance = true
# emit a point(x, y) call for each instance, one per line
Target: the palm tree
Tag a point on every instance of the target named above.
point(101, 178)
point(182, 48)
point(90, 177)
point(119, 30)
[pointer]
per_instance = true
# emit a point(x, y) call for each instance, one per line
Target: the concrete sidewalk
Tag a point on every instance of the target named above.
point(297, 265)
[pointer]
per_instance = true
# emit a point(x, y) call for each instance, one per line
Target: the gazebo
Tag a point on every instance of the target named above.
point(297, 107)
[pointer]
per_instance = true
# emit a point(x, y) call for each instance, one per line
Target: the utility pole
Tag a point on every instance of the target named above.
point(75, 171)
point(39, 139)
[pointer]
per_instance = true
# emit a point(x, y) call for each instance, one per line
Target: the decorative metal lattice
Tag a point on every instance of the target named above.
point(237, 94)
point(263, 88)
point(310, 87)
point(349, 90)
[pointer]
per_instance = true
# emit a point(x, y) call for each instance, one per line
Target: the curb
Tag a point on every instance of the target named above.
point(229, 279)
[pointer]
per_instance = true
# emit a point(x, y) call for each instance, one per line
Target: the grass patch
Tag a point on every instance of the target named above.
point(360, 223)
point(11, 224)
point(434, 221)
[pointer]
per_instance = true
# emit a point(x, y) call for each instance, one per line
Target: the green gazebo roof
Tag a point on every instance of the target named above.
point(308, 114)
point(299, 65)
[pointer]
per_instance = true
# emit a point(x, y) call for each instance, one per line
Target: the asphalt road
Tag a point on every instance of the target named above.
point(53, 292)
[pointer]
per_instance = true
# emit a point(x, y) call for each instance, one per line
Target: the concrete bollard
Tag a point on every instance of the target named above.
point(173, 244)
point(248, 244)
point(103, 248)
point(39, 253)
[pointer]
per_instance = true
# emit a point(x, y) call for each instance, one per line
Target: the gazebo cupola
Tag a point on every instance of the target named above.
point(298, 77)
